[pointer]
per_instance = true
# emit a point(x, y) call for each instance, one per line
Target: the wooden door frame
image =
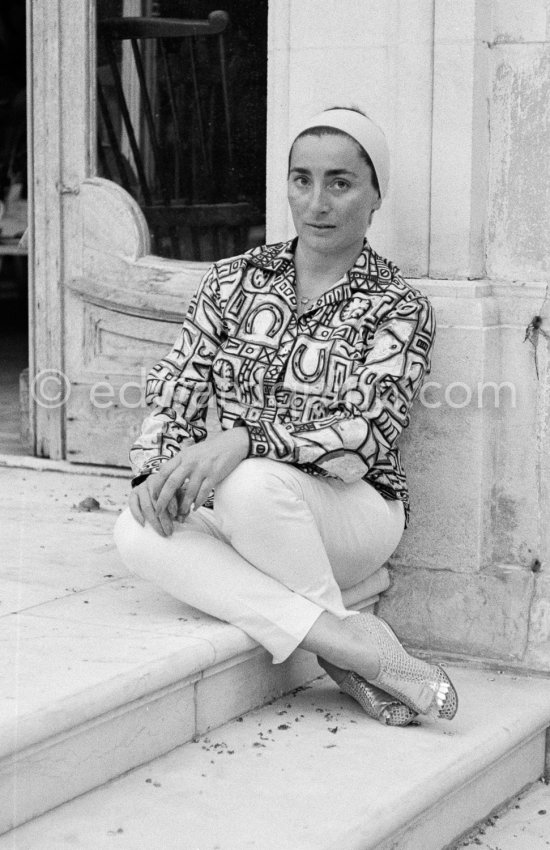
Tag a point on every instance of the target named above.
point(61, 154)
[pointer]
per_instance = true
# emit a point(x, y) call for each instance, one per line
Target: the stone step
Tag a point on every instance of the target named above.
point(103, 725)
point(100, 671)
point(87, 700)
point(523, 822)
point(311, 772)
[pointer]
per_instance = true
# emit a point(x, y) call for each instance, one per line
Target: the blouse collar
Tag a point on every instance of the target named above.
point(368, 267)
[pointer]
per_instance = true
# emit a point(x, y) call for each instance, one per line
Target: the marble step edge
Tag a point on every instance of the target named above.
point(483, 779)
point(101, 732)
point(42, 464)
point(517, 756)
point(143, 681)
point(501, 810)
point(456, 813)
point(57, 769)
point(200, 655)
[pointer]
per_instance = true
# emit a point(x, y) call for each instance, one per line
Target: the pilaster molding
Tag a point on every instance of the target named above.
point(377, 56)
point(278, 118)
point(460, 138)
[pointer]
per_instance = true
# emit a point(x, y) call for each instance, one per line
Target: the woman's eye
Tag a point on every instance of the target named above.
point(300, 180)
point(341, 185)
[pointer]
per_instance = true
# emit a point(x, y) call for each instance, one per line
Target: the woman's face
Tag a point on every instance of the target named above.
point(330, 193)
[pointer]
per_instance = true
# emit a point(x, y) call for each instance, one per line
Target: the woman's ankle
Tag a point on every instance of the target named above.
point(364, 656)
point(337, 674)
point(343, 644)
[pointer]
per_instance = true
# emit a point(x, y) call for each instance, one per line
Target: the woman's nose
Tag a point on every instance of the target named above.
point(318, 199)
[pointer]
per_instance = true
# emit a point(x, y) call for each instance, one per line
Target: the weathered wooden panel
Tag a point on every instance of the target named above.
point(61, 145)
point(111, 353)
point(118, 343)
point(123, 313)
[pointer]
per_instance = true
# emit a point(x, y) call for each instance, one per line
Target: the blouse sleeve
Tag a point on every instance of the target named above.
point(364, 422)
point(179, 386)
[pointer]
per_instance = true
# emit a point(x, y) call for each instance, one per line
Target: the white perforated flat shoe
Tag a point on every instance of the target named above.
point(425, 688)
point(374, 702)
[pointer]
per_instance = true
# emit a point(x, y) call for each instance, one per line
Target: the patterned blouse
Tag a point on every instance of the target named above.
point(329, 391)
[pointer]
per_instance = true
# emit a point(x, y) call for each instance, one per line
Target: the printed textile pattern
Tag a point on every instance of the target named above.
point(329, 391)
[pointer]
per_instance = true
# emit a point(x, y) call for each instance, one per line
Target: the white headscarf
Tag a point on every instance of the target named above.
point(364, 131)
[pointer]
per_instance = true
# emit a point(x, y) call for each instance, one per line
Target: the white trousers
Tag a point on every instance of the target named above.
point(273, 554)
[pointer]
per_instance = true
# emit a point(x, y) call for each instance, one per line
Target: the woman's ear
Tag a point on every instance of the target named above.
point(376, 206)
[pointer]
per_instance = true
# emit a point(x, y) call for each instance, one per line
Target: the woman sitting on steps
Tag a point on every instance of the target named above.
point(314, 350)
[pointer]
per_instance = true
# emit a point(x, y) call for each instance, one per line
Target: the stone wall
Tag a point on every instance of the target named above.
point(470, 577)
point(469, 574)
point(462, 90)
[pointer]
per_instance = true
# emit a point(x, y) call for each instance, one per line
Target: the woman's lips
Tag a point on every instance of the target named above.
point(321, 226)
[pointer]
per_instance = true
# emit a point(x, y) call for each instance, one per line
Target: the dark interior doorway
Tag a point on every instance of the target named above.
point(14, 337)
point(182, 103)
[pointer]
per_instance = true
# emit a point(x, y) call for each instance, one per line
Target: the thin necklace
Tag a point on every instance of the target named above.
point(304, 301)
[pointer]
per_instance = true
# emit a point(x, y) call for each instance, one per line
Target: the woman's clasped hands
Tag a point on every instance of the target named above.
point(185, 482)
